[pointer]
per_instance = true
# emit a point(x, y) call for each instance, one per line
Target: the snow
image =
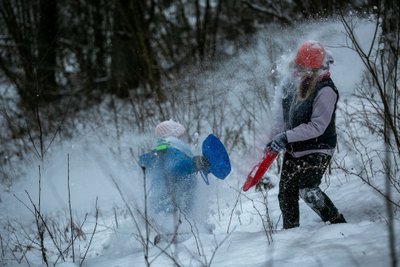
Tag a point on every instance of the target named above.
point(238, 237)
point(66, 264)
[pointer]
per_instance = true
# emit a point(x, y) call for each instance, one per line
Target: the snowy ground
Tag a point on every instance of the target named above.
point(238, 238)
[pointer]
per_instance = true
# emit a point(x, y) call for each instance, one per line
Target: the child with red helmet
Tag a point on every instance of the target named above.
point(309, 139)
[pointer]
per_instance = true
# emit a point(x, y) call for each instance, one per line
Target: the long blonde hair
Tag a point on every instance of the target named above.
point(307, 86)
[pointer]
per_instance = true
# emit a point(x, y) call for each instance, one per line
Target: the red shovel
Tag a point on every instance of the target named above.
point(259, 170)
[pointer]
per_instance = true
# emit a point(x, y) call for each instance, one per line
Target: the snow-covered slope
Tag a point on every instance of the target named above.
point(241, 235)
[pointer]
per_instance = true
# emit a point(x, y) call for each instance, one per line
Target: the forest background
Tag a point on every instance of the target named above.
point(72, 71)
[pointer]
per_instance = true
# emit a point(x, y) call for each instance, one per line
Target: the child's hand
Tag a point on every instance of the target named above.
point(200, 163)
point(279, 142)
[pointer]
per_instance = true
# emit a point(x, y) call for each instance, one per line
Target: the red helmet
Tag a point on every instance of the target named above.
point(310, 55)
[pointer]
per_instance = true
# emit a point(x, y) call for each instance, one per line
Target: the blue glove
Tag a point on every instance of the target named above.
point(278, 143)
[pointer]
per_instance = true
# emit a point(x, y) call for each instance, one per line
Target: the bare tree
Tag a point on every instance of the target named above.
point(31, 28)
point(381, 92)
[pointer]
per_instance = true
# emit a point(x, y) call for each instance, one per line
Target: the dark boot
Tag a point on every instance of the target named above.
point(321, 204)
point(339, 219)
point(290, 221)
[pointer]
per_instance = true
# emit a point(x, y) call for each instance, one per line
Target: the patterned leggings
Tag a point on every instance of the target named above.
point(302, 177)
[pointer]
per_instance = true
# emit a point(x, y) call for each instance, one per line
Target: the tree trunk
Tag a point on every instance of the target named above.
point(133, 59)
point(47, 51)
